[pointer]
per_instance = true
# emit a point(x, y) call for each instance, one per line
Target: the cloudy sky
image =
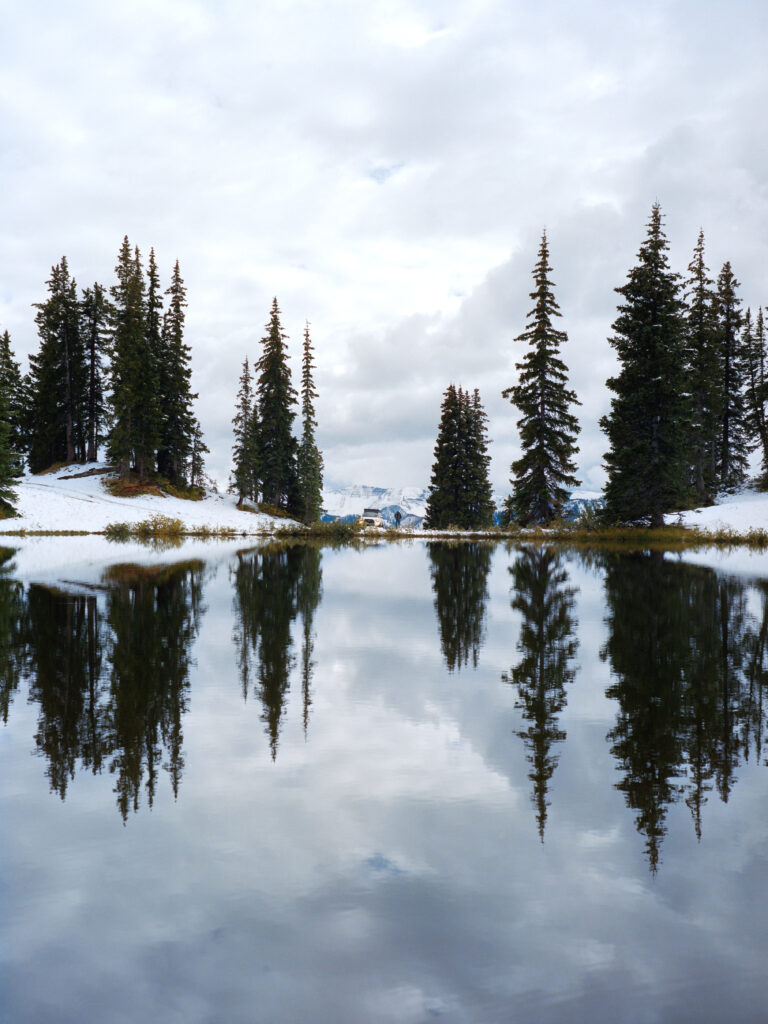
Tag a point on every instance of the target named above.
point(385, 169)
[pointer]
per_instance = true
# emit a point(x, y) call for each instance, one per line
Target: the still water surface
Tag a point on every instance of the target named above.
point(462, 783)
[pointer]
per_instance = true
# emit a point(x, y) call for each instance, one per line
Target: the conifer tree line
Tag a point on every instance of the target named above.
point(690, 398)
point(112, 374)
point(270, 464)
point(689, 405)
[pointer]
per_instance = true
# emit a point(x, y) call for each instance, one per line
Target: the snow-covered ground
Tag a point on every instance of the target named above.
point(66, 501)
point(63, 501)
point(747, 510)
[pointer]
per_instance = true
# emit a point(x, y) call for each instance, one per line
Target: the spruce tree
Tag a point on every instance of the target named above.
point(9, 467)
point(704, 374)
point(276, 400)
point(478, 495)
point(134, 435)
point(445, 482)
point(244, 453)
point(753, 343)
point(57, 374)
point(460, 491)
point(544, 474)
point(177, 432)
point(94, 325)
point(309, 459)
point(198, 450)
point(648, 426)
point(734, 438)
point(13, 386)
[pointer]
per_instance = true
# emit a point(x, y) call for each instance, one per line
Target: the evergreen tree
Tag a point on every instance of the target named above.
point(478, 499)
point(753, 343)
point(244, 452)
point(177, 432)
point(134, 434)
point(276, 399)
point(309, 459)
point(704, 374)
point(544, 474)
point(9, 466)
point(734, 440)
point(445, 483)
point(648, 425)
point(94, 323)
point(460, 491)
point(12, 384)
point(198, 451)
point(57, 376)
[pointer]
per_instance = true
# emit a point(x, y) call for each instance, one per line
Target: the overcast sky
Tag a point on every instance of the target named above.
point(385, 170)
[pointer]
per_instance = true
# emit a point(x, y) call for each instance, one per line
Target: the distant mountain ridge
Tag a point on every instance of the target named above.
point(411, 503)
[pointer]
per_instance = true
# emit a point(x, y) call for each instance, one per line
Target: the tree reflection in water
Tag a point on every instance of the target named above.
point(13, 631)
point(548, 647)
point(272, 586)
point(688, 655)
point(460, 584)
point(110, 676)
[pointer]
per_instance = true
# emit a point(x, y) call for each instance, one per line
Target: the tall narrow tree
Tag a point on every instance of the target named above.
point(544, 474)
point(134, 435)
point(94, 324)
point(177, 417)
point(757, 385)
point(244, 454)
point(704, 373)
point(309, 458)
point(276, 401)
point(478, 495)
point(57, 374)
point(198, 450)
point(734, 440)
point(9, 467)
point(445, 483)
point(13, 386)
point(648, 426)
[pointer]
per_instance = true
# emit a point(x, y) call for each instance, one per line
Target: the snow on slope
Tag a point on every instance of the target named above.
point(741, 512)
point(59, 501)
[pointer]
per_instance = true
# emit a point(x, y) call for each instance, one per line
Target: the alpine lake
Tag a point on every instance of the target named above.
point(398, 782)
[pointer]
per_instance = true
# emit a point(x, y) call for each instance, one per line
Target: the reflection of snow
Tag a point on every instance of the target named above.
point(68, 501)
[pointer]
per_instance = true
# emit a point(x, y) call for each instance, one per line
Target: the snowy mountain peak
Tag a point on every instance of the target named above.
point(350, 501)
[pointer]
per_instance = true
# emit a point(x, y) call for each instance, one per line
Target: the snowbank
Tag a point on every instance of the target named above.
point(63, 501)
point(747, 510)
